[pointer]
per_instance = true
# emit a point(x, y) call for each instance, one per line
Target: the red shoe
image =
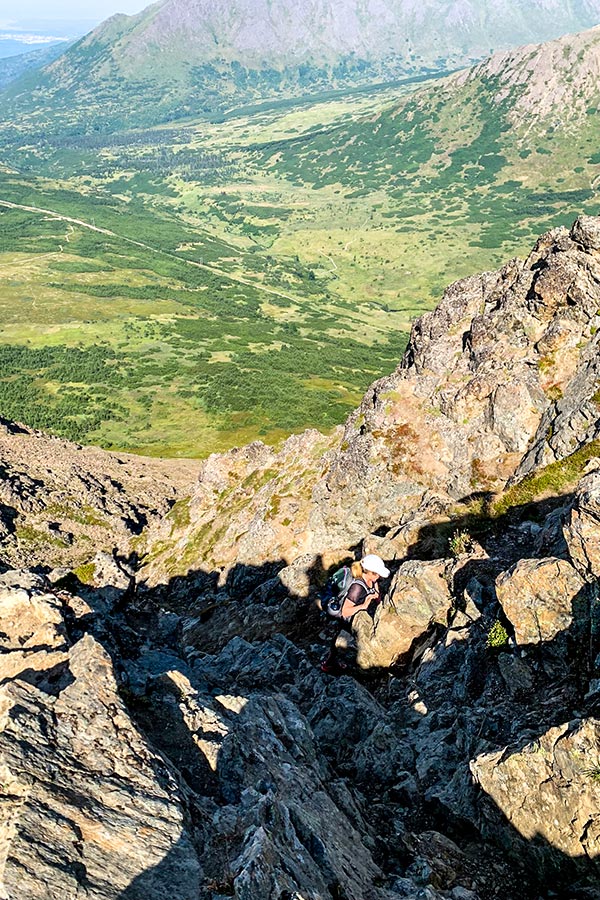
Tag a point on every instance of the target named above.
point(333, 668)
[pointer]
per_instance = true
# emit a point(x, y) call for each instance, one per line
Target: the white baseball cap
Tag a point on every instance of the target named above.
point(372, 563)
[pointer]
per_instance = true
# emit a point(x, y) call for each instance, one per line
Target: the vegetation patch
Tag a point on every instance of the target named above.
point(460, 542)
point(497, 636)
point(553, 479)
point(85, 573)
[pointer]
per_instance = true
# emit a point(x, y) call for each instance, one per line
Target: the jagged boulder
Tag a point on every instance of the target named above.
point(582, 530)
point(296, 838)
point(549, 791)
point(419, 596)
point(541, 598)
point(89, 805)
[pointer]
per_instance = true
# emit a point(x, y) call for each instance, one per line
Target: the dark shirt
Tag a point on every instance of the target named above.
point(356, 595)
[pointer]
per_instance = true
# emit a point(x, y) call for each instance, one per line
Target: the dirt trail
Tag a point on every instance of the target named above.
point(212, 269)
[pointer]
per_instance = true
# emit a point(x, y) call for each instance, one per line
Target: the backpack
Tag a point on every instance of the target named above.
point(334, 594)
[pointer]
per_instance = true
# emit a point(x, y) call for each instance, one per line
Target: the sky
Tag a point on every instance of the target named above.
point(26, 13)
point(31, 24)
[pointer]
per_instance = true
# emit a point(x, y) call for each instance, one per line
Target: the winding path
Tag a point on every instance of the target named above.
point(212, 269)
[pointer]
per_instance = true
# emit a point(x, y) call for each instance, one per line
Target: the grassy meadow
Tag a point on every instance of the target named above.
point(184, 289)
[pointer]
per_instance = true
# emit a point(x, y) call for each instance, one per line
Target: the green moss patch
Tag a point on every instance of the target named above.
point(553, 479)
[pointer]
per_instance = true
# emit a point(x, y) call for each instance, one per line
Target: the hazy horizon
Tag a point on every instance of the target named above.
point(35, 25)
point(33, 14)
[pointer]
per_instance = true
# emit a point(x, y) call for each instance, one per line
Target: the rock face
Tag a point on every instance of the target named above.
point(443, 422)
point(166, 728)
point(538, 74)
point(60, 503)
point(498, 381)
point(89, 804)
point(582, 531)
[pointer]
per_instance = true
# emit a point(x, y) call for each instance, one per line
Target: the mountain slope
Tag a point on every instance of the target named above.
point(13, 67)
point(504, 147)
point(189, 57)
point(500, 379)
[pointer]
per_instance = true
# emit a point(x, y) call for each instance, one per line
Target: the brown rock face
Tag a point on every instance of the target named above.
point(419, 596)
point(474, 401)
point(546, 790)
point(540, 597)
point(32, 632)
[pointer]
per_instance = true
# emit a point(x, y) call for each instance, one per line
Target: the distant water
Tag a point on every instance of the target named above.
point(24, 35)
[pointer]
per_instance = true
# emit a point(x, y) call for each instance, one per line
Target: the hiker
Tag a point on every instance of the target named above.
point(363, 593)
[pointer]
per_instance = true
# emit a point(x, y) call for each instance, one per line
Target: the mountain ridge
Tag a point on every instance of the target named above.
point(197, 58)
point(557, 77)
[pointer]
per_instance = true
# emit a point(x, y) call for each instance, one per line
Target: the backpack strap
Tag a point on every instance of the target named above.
point(354, 581)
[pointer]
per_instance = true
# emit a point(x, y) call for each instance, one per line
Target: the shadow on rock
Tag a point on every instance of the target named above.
point(469, 769)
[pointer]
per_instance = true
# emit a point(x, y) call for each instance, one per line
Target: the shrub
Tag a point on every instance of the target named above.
point(497, 636)
point(460, 542)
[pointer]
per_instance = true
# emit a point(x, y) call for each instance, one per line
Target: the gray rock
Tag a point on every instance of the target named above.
point(461, 893)
point(89, 806)
point(586, 231)
point(516, 673)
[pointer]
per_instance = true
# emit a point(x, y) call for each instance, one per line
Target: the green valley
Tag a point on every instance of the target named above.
point(185, 288)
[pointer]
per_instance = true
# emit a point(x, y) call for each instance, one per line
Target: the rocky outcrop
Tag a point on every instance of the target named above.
point(166, 729)
point(474, 403)
point(538, 79)
point(582, 531)
point(87, 803)
point(499, 380)
point(250, 508)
